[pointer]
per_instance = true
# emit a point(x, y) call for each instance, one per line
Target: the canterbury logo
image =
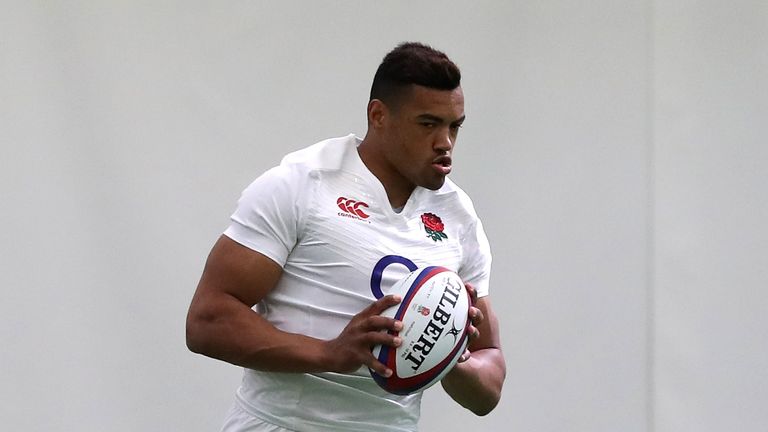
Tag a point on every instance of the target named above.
point(352, 207)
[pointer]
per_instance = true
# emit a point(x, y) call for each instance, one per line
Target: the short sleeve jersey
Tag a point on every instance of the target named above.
point(326, 219)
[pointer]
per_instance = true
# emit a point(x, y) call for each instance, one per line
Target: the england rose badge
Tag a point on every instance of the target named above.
point(434, 226)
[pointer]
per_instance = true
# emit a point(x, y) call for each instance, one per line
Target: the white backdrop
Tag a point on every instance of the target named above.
point(616, 152)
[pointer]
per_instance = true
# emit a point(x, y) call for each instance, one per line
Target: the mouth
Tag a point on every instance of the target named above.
point(442, 165)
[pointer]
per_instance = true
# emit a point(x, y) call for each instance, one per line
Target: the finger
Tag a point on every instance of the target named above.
point(464, 356)
point(381, 338)
point(378, 367)
point(476, 315)
point(472, 293)
point(380, 305)
point(472, 333)
point(379, 322)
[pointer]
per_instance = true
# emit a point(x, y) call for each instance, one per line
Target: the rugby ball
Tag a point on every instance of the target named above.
point(435, 316)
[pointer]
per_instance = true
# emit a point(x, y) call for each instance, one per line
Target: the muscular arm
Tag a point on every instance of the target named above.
point(222, 325)
point(476, 383)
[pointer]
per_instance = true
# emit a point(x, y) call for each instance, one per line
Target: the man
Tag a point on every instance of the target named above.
point(302, 248)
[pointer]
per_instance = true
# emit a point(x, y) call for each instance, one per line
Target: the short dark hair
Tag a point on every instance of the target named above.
point(413, 63)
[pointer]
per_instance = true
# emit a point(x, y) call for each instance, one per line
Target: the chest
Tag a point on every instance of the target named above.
point(348, 229)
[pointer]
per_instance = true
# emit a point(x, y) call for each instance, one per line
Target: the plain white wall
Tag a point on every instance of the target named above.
point(570, 197)
point(128, 130)
point(711, 285)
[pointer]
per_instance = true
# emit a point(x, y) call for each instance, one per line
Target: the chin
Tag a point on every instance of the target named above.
point(434, 185)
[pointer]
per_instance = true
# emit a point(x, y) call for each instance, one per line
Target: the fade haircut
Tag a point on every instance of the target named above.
point(413, 63)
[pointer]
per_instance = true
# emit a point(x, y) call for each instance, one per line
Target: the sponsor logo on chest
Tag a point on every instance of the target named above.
point(351, 208)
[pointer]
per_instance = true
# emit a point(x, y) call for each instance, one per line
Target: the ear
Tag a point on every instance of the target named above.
point(377, 112)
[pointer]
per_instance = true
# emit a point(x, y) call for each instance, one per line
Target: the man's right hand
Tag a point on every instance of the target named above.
point(352, 348)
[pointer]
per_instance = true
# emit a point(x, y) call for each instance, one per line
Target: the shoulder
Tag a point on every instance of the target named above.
point(326, 155)
point(298, 167)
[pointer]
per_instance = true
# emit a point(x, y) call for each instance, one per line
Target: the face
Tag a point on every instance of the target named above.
point(421, 133)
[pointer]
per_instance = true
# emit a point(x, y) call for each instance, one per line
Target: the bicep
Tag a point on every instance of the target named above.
point(220, 321)
point(234, 270)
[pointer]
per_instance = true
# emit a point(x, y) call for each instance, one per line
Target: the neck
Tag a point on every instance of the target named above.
point(398, 189)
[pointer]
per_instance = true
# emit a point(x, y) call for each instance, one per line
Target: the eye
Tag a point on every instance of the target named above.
point(428, 125)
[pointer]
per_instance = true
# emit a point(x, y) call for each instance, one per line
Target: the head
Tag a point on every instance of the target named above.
point(414, 114)
point(413, 63)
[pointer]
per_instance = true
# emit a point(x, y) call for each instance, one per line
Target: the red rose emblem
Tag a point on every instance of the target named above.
point(432, 222)
point(434, 226)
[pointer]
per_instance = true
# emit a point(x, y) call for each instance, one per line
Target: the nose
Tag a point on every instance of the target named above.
point(444, 141)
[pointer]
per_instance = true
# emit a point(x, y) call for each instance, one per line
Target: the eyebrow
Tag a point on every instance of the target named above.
point(436, 119)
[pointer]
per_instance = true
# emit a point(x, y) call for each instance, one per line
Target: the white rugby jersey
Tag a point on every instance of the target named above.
point(326, 219)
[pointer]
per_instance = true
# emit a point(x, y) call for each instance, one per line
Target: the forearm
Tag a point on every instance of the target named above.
point(229, 330)
point(476, 383)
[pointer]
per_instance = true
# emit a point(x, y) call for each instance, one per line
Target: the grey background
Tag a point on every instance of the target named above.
point(616, 152)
